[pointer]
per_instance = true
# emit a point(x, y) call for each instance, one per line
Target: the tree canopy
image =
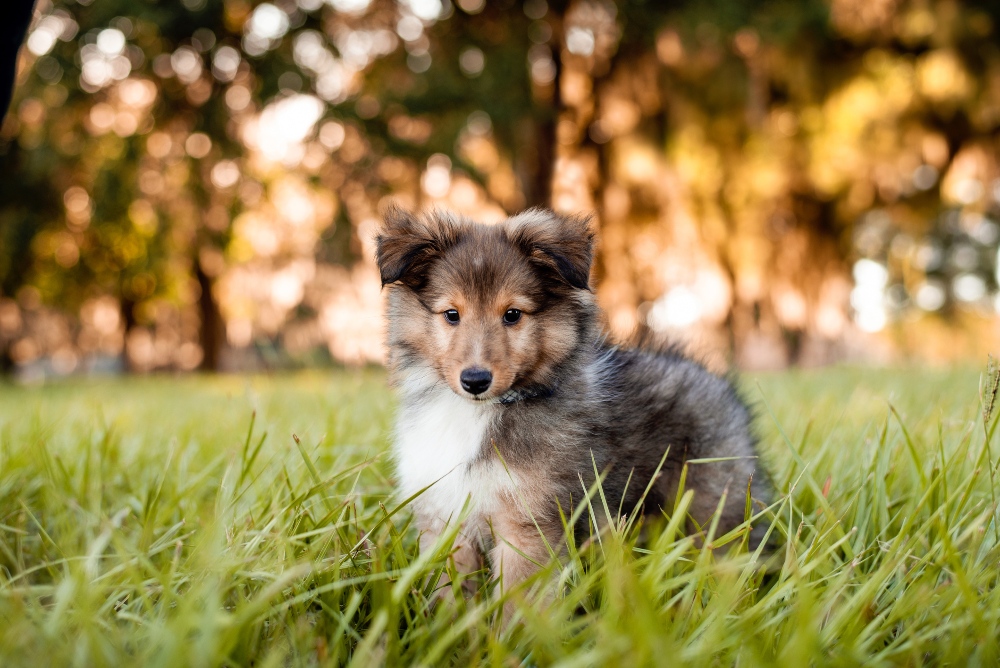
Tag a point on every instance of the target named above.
point(195, 184)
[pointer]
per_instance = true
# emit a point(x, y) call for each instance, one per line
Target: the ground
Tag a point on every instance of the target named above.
point(250, 521)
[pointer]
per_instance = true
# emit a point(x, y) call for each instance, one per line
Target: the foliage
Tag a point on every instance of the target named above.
point(178, 524)
point(801, 138)
point(212, 169)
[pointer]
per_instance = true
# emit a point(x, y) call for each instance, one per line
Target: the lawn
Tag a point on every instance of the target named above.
point(250, 521)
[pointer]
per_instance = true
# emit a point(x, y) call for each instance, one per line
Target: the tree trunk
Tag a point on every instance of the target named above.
point(128, 318)
point(6, 361)
point(538, 191)
point(545, 157)
point(210, 333)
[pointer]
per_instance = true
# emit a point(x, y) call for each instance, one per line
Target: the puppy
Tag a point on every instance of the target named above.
point(510, 396)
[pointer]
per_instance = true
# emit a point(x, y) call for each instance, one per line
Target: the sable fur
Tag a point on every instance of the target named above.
point(619, 409)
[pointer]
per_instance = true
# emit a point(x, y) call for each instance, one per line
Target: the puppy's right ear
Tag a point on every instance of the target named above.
point(404, 249)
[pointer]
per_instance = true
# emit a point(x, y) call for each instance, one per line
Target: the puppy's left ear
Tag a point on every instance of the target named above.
point(564, 244)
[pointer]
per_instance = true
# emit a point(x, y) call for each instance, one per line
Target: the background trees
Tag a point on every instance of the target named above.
point(195, 183)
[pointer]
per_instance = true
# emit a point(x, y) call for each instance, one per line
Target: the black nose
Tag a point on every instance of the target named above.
point(476, 381)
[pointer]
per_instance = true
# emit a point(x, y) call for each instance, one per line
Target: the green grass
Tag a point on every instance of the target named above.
point(157, 522)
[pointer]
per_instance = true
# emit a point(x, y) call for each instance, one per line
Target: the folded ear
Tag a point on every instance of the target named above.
point(406, 246)
point(562, 244)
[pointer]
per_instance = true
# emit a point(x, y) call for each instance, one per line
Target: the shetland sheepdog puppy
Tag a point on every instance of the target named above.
point(512, 402)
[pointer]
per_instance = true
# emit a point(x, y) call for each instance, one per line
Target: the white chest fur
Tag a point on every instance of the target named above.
point(439, 438)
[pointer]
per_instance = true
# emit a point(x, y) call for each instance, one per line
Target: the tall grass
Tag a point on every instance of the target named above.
point(251, 521)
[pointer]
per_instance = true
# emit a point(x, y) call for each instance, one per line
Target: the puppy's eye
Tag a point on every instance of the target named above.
point(512, 315)
point(451, 315)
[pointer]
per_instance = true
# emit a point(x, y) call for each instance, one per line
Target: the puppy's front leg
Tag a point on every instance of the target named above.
point(520, 551)
point(465, 557)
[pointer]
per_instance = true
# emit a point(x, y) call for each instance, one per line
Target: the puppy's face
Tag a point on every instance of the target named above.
point(486, 308)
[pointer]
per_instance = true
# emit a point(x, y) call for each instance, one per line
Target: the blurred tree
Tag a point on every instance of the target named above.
point(11, 37)
point(121, 127)
point(783, 123)
point(488, 70)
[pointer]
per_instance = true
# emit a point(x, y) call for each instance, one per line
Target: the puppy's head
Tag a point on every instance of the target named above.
point(486, 307)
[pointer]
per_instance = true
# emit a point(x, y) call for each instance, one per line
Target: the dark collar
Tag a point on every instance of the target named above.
point(514, 395)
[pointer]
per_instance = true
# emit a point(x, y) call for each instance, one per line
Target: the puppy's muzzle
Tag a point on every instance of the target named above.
point(475, 380)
